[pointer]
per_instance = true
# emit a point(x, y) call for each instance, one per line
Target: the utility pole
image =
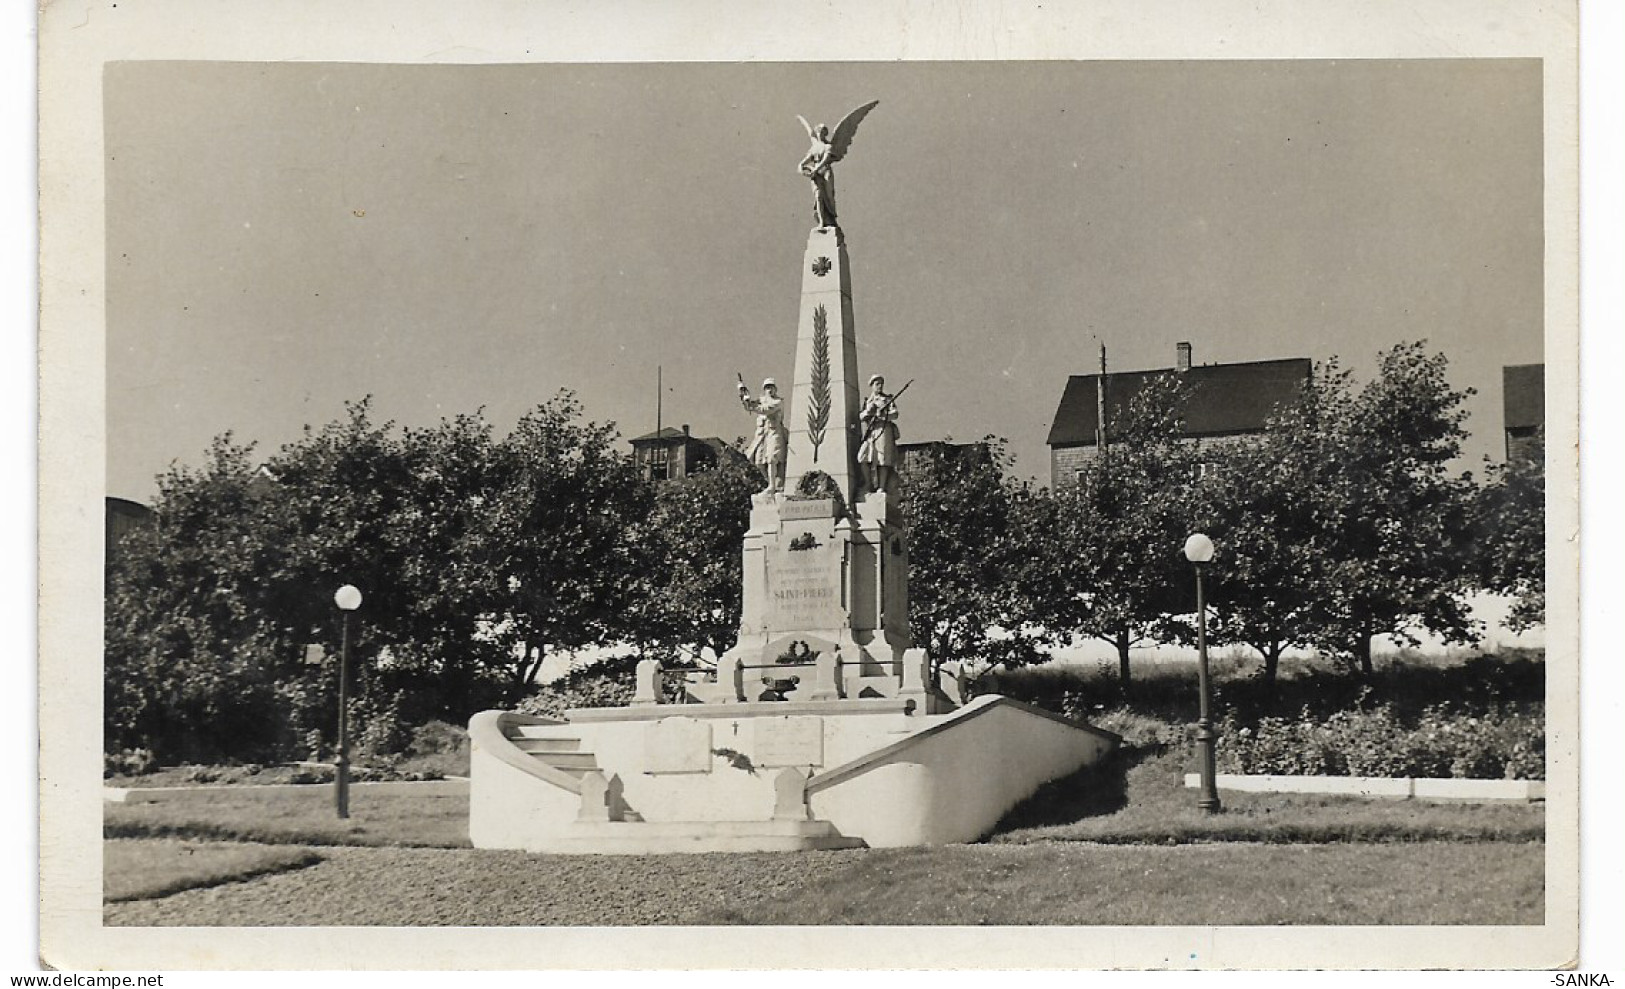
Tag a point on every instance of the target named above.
point(1100, 404)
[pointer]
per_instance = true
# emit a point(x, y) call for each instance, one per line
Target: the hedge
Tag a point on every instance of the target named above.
point(1439, 743)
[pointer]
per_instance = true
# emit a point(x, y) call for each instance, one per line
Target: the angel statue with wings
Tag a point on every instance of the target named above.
point(826, 150)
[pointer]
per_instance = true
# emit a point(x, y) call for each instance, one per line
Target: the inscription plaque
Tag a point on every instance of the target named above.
point(804, 588)
point(823, 508)
point(677, 745)
point(795, 741)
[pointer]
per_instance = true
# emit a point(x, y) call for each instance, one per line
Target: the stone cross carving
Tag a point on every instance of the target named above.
point(827, 149)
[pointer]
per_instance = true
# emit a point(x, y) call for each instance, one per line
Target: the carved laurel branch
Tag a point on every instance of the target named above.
point(818, 407)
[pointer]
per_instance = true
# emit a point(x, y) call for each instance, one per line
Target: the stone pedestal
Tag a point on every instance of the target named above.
point(820, 579)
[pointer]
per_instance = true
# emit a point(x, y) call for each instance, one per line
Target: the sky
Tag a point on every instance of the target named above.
point(285, 237)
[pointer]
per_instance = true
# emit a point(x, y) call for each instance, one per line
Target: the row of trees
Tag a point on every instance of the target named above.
point(1341, 522)
point(479, 554)
point(476, 557)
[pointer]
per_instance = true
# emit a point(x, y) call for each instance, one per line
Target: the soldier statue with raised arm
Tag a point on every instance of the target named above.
point(771, 446)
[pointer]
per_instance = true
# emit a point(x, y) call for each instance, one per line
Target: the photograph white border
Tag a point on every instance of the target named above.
point(77, 41)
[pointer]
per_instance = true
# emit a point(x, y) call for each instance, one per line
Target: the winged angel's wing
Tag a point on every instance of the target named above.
point(842, 138)
point(806, 125)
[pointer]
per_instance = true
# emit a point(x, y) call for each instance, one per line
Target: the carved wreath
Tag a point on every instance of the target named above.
point(818, 407)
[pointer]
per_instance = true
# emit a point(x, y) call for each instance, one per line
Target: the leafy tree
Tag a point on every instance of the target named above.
point(1400, 541)
point(473, 556)
point(1510, 526)
point(968, 530)
point(346, 510)
point(691, 594)
point(565, 534)
point(190, 669)
point(1267, 510)
point(1111, 560)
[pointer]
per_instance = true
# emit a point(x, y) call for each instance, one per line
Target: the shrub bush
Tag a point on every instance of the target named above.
point(312, 774)
point(437, 737)
point(1138, 730)
point(203, 774)
point(129, 762)
point(596, 687)
point(383, 732)
point(1441, 742)
point(1481, 684)
point(391, 774)
point(437, 750)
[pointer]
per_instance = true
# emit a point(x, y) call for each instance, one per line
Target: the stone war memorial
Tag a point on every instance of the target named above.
point(824, 726)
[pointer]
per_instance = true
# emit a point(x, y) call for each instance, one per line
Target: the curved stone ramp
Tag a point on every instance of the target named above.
point(508, 784)
point(949, 778)
point(502, 735)
point(953, 780)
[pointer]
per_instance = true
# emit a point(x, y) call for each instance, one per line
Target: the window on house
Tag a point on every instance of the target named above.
point(659, 467)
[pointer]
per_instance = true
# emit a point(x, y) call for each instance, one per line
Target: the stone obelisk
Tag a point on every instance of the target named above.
point(823, 415)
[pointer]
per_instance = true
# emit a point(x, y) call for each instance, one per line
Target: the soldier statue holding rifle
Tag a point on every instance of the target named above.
point(877, 455)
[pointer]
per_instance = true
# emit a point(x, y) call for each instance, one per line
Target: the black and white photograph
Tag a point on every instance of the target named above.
point(540, 497)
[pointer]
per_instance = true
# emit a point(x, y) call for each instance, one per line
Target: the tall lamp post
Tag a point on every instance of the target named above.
point(348, 598)
point(1199, 550)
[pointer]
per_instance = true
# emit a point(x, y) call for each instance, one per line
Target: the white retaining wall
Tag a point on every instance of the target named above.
point(1380, 786)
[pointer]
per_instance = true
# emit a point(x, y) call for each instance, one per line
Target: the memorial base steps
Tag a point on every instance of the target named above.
point(753, 777)
point(696, 837)
point(563, 754)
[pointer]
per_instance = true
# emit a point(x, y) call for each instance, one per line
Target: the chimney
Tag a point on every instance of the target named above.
point(685, 429)
point(1182, 358)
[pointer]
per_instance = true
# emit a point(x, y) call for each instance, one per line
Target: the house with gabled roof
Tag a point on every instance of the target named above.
point(668, 453)
point(1227, 401)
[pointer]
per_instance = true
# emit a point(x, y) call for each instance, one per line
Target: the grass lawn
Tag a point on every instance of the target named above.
point(1121, 844)
point(1139, 797)
point(138, 870)
point(1069, 883)
point(1237, 884)
point(240, 814)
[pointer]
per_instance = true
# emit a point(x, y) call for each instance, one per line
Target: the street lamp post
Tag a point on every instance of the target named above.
point(348, 598)
point(1199, 550)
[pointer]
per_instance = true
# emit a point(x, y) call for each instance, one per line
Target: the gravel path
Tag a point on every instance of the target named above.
point(434, 886)
point(1058, 883)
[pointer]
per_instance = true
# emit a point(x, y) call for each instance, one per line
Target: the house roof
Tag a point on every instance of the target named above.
point(668, 433)
point(126, 508)
point(670, 436)
point(1523, 395)
point(1226, 399)
point(723, 447)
